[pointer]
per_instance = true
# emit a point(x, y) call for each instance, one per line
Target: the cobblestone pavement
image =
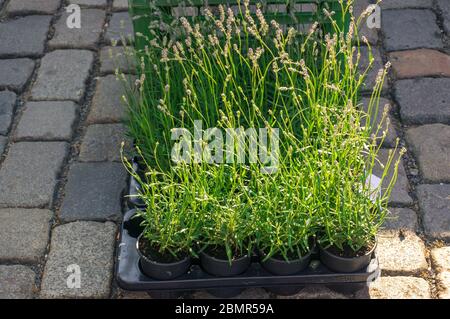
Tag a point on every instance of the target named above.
point(60, 179)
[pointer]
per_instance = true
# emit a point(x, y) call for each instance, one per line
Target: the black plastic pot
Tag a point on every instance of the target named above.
point(130, 275)
point(222, 267)
point(345, 265)
point(162, 271)
point(281, 267)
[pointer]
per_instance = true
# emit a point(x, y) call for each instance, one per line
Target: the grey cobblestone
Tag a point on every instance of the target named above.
point(120, 5)
point(24, 36)
point(434, 202)
point(102, 142)
point(93, 192)
point(444, 6)
point(28, 174)
point(410, 29)
point(399, 194)
point(430, 145)
point(3, 141)
point(14, 73)
point(47, 121)
point(117, 57)
point(18, 282)
point(377, 64)
point(84, 38)
point(107, 105)
point(399, 4)
point(424, 100)
point(62, 75)
point(401, 219)
point(21, 7)
point(90, 245)
point(24, 234)
point(120, 26)
point(7, 102)
point(371, 34)
point(90, 3)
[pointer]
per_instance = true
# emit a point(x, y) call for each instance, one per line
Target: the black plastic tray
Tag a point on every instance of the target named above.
point(130, 277)
point(133, 199)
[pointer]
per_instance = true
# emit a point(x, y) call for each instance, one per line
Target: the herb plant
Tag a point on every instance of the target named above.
point(239, 70)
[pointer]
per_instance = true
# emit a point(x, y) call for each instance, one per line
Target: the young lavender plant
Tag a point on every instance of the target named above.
point(239, 70)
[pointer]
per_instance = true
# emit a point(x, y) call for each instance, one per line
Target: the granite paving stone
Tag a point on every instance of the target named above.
point(84, 38)
point(62, 75)
point(17, 282)
point(401, 219)
point(410, 29)
point(7, 102)
point(444, 6)
point(420, 63)
point(29, 173)
point(88, 245)
point(102, 142)
point(24, 234)
point(47, 121)
point(120, 26)
point(90, 3)
point(398, 287)
point(3, 141)
point(401, 253)
point(112, 58)
point(441, 258)
point(434, 202)
point(14, 73)
point(120, 5)
point(430, 145)
point(400, 4)
point(444, 284)
point(424, 100)
point(387, 124)
point(24, 36)
point(93, 192)
point(21, 7)
point(377, 64)
point(128, 294)
point(399, 194)
point(107, 104)
point(371, 34)
point(315, 292)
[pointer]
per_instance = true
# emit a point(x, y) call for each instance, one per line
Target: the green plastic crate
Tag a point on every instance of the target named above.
point(286, 12)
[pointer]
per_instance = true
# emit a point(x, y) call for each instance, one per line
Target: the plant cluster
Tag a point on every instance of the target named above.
point(239, 70)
